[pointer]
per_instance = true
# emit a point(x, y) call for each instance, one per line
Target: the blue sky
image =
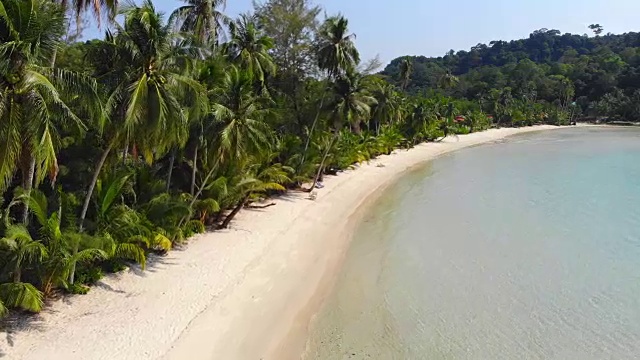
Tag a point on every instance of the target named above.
point(431, 28)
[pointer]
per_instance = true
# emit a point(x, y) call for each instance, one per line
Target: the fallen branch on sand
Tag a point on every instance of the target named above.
point(260, 206)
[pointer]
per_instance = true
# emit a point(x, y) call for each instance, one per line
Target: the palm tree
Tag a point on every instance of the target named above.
point(406, 69)
point(21, 249)
point(239, 130)
point(336, 53)
point(33, 107)
point(59, 250)
point(336, 50)
point(387, 108)
point(248, 48)
point(202, 18)
point(256, 175)
point(351, 104)
point(20, 295)
point(147, 83)
point(241, 114)
point(448, 80)
point(98, 7)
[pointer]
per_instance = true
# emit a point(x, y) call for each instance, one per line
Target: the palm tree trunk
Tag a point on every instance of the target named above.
point(234, 212)
point(200, 189)
point(28, 185)
point(194, 171)
point(72, 271)
point(17, 274)
point(324, 158)
point(92, 185)
point(313, 126)
point(172, 159)
point(53, 57)
point(125, 151)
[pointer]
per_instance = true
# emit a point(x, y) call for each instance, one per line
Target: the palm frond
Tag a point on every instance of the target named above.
point(21, 295)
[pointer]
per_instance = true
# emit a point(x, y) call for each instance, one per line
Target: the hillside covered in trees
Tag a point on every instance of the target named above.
point(601, 73)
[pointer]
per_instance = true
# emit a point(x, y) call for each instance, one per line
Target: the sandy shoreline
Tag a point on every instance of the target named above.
point(245, 293)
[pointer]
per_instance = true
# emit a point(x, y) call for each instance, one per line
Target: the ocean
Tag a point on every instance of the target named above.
point(527, 248)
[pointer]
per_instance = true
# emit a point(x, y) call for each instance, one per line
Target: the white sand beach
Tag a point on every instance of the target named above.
point(249, 292)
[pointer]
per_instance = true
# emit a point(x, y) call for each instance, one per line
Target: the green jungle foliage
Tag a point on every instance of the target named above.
point(600, 74)
point(115, 149)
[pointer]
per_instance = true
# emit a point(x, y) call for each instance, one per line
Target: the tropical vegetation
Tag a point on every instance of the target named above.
point(113, 150)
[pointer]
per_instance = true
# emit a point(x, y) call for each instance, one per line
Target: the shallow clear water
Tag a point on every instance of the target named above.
point(527, 249)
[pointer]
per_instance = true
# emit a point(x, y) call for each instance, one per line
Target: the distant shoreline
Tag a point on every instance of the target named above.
point(246, 293)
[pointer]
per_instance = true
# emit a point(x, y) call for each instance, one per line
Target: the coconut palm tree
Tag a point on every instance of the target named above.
point(240, 129)
point(256, 175)
point(336, 53)
point(240, 114)
point(202, 18)
point(335, 49)
point(351, 104)
point(387, 108)
point(147, 82)
point(33, 98)
point(97, 7)
point(248, 48)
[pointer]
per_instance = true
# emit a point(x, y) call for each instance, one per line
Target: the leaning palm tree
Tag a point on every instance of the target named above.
point(351, 104)
point(202, 18)
point(147, 80)
point(33, 98)
point(256, 175)
point(248, 48)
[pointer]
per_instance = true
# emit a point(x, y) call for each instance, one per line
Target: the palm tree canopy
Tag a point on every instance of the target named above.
point(248, 48)
point(97, 7)
point(150, 82)
point(33, 98)
point(240, 116)
point(351, 102)
point(336, 50)
point(202, 18)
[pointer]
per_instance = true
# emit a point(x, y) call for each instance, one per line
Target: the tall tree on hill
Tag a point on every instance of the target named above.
point(406, 69)
point(596, 28)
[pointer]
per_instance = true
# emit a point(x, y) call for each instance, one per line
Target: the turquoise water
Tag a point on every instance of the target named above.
point(524, 249)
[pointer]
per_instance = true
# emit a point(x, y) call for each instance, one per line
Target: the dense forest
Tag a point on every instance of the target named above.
point(600, 74)
point(118, 148)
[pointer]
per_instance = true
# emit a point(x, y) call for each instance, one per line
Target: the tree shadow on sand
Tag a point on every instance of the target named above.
point(17, 323)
